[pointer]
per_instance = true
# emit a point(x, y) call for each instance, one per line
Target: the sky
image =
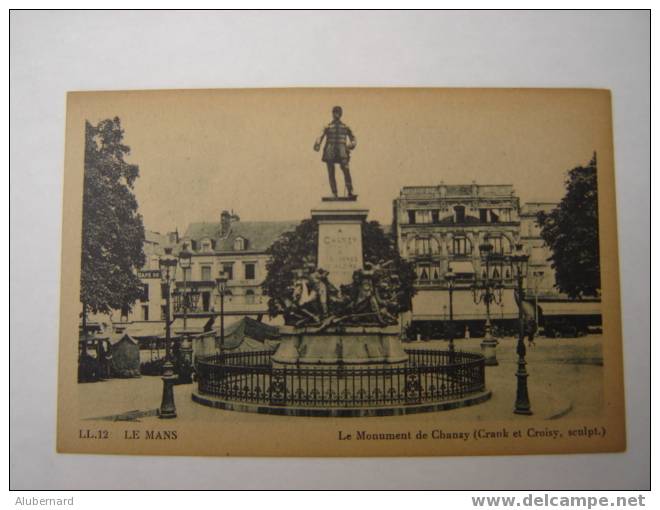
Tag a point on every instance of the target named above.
point(203, 151)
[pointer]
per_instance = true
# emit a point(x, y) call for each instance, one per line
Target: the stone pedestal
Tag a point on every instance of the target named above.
point(340, 247)
point(353, 345)
point(340, 238)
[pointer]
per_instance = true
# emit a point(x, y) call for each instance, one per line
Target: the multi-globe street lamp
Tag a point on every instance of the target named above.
point(488, 289)
point(167, 266)
point(221, 285)
point(519, 265)
point(186, 301)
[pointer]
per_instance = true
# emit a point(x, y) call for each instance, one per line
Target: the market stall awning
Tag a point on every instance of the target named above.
point(194, 325)
point(144, 329)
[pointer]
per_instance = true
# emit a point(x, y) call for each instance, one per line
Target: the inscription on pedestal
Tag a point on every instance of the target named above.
point(340, 250)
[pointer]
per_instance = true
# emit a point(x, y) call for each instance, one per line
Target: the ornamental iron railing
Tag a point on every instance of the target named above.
point(428, 376)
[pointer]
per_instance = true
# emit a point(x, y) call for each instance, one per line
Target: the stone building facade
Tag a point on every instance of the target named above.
point(442, 226)
point(541, 275)
point(237, 248)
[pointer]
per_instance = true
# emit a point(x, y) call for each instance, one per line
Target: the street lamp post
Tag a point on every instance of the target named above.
point(167, 266)
point(488, 290)
point(450, 277)
point(519, 266)
point(185, 261)
point(221, 284)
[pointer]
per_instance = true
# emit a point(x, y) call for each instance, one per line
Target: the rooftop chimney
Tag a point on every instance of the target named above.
point(173, 237)
point(225, 223)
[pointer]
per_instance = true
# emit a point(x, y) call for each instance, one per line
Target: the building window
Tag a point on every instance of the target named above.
point(145, 292)
point(249, 296)
point(411, 217)
point(206, 273)
point(228, 269)
point(494, 217)
point(423, 217)
point(461, 246)
point(423, 273)
point(239, 244)
point(435, 216)
point(435, 272)
point(145, 312)
point(459, 214)
point(483, 215)
point(206, 245)
point(422, 246)
point(496, 243)
point(187, 274)
point(163, 290)
point(163, 312)
point(206, 301)
point(249, 271)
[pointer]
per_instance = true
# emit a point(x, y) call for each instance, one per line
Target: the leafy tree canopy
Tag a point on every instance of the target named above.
point(112, 232)
point(571, 231)
point(293, 249)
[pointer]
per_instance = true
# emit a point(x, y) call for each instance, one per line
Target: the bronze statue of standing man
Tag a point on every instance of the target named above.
point(339, 142)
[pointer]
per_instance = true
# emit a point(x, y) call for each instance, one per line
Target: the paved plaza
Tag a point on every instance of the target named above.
point(565, 380)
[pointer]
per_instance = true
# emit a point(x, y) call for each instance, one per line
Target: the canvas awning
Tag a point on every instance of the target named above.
point(115, 340)
point(570, 307)
point(145, 329)
point(247, 333)
point(194, 325)
point(462, 267)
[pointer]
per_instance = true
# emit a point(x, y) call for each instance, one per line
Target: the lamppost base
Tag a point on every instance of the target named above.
point(167, 407)
point(522, 405)
point(488, 349)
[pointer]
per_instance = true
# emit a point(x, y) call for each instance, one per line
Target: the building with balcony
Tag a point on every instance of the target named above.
point(438, 227)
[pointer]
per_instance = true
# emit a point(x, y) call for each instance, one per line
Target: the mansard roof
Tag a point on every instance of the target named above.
point(258, 234)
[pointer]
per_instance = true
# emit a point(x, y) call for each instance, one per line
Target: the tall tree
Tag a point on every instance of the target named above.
point(571, 232)
point(112, 231)
point(295, 248)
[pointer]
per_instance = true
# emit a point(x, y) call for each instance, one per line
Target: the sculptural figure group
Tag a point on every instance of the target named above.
point(372, 298)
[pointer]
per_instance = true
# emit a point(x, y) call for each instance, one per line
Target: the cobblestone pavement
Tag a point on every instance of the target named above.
point(561, 371)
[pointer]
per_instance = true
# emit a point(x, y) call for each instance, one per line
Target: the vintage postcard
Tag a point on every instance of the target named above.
point(340, 272)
